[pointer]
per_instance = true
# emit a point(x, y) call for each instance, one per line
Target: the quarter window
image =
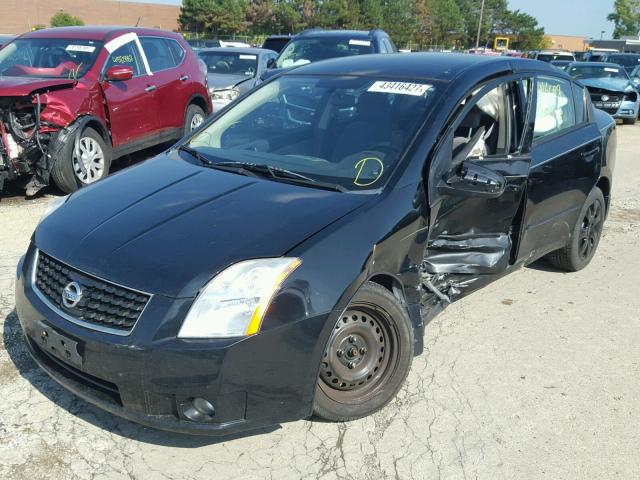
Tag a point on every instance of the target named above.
point(126, 56)
point(579, 95)
point(555, 109)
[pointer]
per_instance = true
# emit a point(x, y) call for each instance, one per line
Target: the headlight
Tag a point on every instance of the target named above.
point(54, 204)
point(228, 95)
point(235, 301)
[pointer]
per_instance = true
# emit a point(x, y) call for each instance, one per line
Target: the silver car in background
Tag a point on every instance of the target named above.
point(232, 71)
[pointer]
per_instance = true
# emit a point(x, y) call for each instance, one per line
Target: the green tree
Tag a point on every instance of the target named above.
point(64, 19)
point(338, 14)
point(371, 14)
point(194, 15)
point(523, 29)
point(262, 16)
point(399, 20)
point(626, 18)
point(438, 22)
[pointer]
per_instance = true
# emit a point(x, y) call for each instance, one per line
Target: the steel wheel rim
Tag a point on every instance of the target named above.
point(366, 337)
point(590, 230)
point(196, 121)
point(88, 161)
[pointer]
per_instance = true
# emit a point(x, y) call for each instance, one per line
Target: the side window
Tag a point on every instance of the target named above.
point(579, 96)
point(126, 56)
point(383, 46)
point(157, 52)
point(177, 52)
point(387, 43)
point(485, 129)
point(555, 110)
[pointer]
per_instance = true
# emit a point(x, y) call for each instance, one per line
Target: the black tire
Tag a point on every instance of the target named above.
point(66, 173)
point(585, 236)
point(192, 112)
point(373, 315)
point(629, 121)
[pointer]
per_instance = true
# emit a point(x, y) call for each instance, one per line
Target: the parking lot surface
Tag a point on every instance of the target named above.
point(536, 376)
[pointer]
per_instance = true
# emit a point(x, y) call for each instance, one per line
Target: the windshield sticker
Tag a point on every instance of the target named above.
point(400, 88)
point(363, 43)
point(247, 57)
point(80, 48)
point(612, 70)
point(374, 170)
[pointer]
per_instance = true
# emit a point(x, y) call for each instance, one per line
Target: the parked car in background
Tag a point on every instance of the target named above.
point(561, 64)
point(284, 260)
point(72, 99)
point(231, 72)
point(627, 60)
point(4, 39)
point(635, 76)
point(317, 44)
point(610, 88)
point(197, 44)
point(276, 42)
point(596, 55)
point(551, 55)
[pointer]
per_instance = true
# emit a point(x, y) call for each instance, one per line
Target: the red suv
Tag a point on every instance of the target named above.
point(74, 98)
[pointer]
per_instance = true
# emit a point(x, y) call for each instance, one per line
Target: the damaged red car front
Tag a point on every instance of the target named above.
point(71, 99)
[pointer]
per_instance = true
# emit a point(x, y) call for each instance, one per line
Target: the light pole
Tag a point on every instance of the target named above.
point(480, 24)
point(602, 34)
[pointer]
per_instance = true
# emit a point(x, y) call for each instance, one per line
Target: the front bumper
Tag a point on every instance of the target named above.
point(621, 110)
point(149, 377)
point(217, 105)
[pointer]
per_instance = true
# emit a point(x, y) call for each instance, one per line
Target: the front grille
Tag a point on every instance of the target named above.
point(102, 304)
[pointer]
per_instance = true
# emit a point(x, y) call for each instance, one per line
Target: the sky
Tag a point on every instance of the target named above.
point(559, 17)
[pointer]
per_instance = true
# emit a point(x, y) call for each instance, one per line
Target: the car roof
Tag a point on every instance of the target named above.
point(595, 64)
point(423, 65)
point(320, 33)
point(279, 37)
point(247, 50)
point(98, 33)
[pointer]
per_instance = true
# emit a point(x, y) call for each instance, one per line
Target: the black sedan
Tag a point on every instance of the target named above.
point(283, 260)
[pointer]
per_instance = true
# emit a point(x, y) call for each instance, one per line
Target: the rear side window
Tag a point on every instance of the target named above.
point(580, 98)
point(160, 53)
point(555, 111)
point(126, 56)
point(177, 52)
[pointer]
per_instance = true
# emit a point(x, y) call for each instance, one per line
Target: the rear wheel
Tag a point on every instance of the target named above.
point(90, 163)
point(194, 117)
point(585, 238)
point(367, 357)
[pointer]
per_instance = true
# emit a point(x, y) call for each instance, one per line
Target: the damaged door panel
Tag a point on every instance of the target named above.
point(477, 186)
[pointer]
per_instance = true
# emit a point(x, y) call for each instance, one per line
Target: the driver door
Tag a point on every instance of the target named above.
point(477, 184)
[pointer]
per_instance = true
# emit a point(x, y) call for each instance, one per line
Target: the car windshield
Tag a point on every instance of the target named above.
point(306, 50)
point(48, 57)
point(596, 71)
point(628, 61)
point(348, 132)
point(230, 63)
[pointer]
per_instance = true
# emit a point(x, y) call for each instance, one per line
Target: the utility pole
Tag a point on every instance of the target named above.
point(480, 24)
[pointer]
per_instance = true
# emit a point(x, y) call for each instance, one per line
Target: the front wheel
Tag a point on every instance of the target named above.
point(367, 357)
point(629, 121)
point(74, 169)
point(585, 237)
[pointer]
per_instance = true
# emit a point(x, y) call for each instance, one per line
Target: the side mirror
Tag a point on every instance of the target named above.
point(636, 81)
point(470, 179)
point(119, 74)
point(271, 62)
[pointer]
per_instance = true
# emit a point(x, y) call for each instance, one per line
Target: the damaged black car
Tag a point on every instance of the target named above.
point(284, 260)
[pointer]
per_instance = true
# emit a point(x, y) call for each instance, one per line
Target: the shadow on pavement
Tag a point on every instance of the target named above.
point(543, 266)
point(15, 346)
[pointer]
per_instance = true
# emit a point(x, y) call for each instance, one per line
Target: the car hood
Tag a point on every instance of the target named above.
point(612, 84)
point(224, 82)
point(20, 86)
point(167, 226)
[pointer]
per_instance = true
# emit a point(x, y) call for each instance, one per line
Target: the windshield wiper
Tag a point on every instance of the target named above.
point(196, 154)
point(283, 174)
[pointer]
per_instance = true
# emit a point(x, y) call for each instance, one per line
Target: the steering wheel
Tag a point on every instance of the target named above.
point(54, 57)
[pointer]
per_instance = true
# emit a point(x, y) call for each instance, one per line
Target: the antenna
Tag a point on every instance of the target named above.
point(138, 22)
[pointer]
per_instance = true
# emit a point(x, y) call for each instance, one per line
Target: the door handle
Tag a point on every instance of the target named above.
point(590, 153)
point(150, 88)
point(184, 78)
